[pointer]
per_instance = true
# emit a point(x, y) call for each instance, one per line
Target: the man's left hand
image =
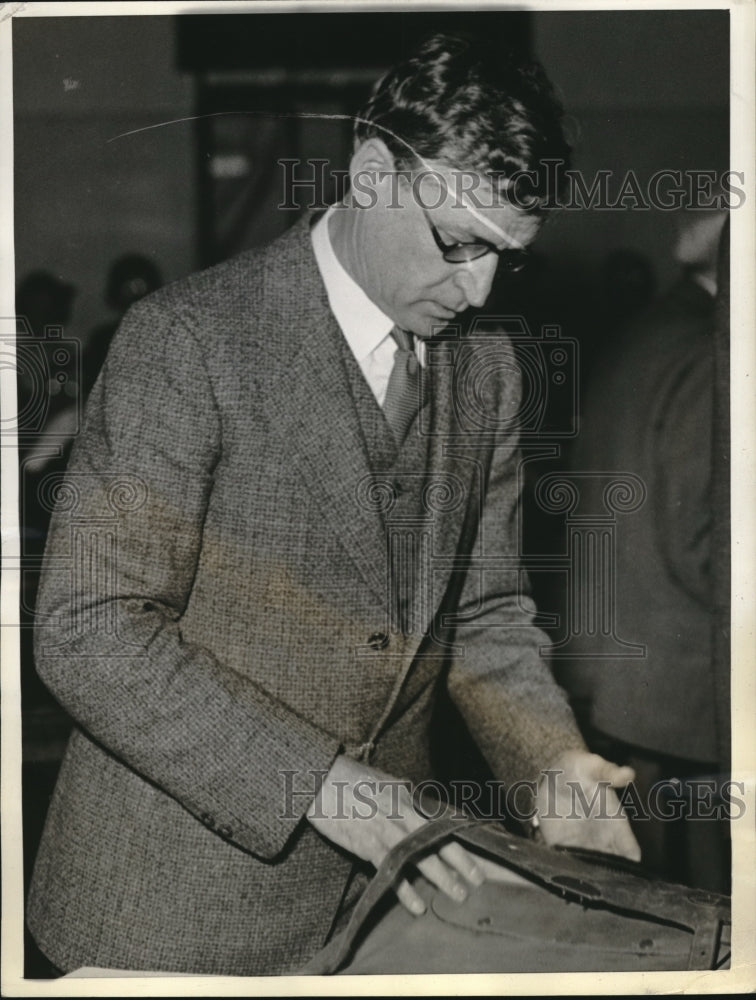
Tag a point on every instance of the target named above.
point(577, 806)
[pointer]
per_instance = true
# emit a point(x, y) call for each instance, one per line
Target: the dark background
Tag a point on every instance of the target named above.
point(111, 159)
point(646, 90)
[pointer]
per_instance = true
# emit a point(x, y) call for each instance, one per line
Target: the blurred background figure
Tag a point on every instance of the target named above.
point(629, 284)
point(48, 368)
point(625, 284)
point(44, 303)
point(648, 412)
point(721, 546)
point(130, 278)
point(44, 300)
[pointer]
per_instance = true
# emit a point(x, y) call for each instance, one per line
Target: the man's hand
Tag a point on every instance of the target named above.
point(578, 807)
point(368, 812)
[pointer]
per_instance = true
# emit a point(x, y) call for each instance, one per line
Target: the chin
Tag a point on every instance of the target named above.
point(426, 327)
point(437, 326)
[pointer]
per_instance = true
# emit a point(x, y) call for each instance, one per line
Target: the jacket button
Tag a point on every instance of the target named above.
point(378, 640)
point(208, 820)
point(225, 831)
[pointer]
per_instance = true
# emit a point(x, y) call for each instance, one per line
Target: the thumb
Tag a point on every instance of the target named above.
point(617, 776)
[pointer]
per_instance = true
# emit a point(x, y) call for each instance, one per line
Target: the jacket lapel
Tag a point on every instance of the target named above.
point(314, 414)
point(455, 465)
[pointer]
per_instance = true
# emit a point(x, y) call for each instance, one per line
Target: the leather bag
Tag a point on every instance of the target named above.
point(555, 911)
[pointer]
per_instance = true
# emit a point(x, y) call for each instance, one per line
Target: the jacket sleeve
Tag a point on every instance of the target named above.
point(682, 486)
point(122, 552)
point(501, 679)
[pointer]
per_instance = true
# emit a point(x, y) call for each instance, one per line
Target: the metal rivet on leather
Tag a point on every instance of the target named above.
point(378, 640)
point(576, 885)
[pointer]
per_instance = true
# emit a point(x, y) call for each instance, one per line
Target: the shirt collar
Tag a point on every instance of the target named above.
point(363, 324)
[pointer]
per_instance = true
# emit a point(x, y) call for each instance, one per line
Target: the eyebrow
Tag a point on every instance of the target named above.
point(510, 243)
point(472, 237)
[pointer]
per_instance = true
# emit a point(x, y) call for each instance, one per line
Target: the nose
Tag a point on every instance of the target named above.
point(475, 278)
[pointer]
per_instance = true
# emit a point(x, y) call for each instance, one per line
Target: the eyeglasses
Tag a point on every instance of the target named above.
point(462, 253)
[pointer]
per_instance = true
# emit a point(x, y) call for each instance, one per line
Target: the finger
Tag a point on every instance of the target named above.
point(622, 776)
point(632, 853)
point(559, 832)
point(377, 838)
point(437, 872)
point(409, 898)
point(617, 775)
point(463, 862)
point(498, 872)
point(625, 841)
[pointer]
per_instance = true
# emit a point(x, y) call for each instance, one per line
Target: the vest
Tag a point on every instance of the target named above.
point(401, 476)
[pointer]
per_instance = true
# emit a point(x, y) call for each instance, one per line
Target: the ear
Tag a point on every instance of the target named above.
point(371, 174)
point(371, 155)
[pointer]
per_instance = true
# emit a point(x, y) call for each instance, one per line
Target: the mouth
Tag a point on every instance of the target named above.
point(441, 312)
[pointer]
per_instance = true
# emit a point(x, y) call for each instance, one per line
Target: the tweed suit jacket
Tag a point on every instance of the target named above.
point(216, 568)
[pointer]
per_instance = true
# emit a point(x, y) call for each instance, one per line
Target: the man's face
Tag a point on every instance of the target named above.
point(405, 272)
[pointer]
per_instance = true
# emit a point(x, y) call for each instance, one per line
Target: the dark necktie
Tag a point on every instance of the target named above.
point(403, 393)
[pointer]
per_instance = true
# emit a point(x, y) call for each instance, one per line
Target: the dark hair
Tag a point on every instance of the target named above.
point(130, 278)
point(471, 105)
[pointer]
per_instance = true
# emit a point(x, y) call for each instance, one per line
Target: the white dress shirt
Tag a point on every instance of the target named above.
point(366, 328)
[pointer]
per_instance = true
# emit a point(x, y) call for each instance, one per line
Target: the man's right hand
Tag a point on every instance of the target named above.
point(367, 812)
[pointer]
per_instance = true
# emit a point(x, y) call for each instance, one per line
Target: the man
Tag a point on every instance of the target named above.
point(246, 650)
point(649, 412)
